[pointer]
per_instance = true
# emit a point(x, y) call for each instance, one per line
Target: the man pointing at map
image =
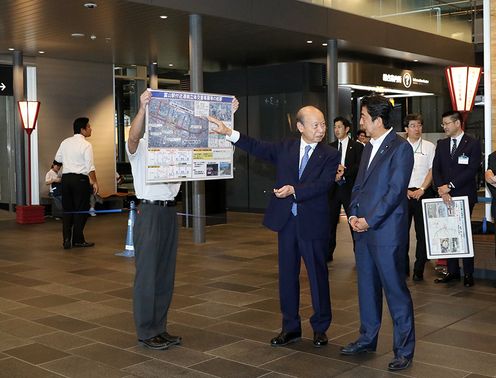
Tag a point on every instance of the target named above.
point(299, 212)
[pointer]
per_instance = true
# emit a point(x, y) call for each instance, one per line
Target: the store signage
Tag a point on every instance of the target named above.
point(6, 81)
point(373, 75)
point(406, 79)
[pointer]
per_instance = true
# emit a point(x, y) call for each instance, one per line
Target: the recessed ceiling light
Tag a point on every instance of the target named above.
point(11, 49)
point(163, 17)
point(309, 41)
point(171, 65)
point(324, 44)
point(415, 60)
point(90, 5)
point(77, 35)
point(92, 37)
point(41, 52)
point(154, 63)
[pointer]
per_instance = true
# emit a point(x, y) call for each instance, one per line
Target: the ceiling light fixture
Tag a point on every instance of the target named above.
point(11, 49)
point(41, 52)
point(92, 37)
point(171, 65)
point(309, 41)
point(77, 35)
point(415, 60)
point(324, 44)
point(163, 17)
point(90, 5)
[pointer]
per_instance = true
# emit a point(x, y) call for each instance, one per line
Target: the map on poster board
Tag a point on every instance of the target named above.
point(448, 229)
point(180, 145)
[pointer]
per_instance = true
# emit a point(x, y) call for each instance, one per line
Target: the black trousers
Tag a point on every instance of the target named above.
point(415, 214)
point(341, 196)
point(155, 243)
point(76, 191)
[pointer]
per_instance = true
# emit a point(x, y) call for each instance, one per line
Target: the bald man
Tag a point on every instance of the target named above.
point(299, 211)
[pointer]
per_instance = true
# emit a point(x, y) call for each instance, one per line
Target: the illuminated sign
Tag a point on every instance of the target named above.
point(406, 79)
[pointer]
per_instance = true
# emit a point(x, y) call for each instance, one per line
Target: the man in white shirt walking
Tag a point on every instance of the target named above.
point(419, 188)
point(78, 181)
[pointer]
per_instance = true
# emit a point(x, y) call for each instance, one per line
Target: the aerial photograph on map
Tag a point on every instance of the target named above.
point(172, 123)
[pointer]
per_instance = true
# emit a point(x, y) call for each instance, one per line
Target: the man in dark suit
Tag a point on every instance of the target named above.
point(299, 212)
point(378, 215)
point(340, 194)
point(454, 172)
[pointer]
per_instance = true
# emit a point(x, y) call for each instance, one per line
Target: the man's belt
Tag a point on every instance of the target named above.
point(159, 203)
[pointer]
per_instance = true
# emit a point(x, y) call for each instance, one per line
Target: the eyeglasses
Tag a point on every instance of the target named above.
point(444, 124)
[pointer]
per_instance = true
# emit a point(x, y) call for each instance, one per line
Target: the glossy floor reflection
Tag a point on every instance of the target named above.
point(68, 313)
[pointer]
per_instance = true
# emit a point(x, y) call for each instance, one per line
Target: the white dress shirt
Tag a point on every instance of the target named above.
point(76, 154)
point(458, 141)
point(423, 154)
point(344, 147)
point(376, 143)
point(150, 191)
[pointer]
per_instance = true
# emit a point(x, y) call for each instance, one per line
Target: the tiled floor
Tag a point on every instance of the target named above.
point(68, 313)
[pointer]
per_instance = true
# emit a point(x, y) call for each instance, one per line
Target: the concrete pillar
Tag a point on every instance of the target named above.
point(19, 135)
point(196, 77)
point(332, 86)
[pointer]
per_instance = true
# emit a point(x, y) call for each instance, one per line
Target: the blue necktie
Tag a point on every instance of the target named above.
point(303, 164)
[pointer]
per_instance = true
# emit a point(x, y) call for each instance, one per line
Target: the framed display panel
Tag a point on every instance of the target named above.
point(448, 231)
point(180, 144)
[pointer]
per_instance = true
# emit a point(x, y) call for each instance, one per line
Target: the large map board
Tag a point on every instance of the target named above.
point(180, 146)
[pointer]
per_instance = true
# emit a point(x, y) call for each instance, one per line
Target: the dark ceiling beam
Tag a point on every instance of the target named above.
point(355, 32)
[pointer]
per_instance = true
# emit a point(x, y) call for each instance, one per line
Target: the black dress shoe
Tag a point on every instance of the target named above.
point(172, 340)
point(399, 363)
point(285, 338)
point(319, 339)
point(468, 280)
point(156, 342)
point(67, 244)
point(355, 348)
point(448, 277)
point(83, 245)
point(418, 276)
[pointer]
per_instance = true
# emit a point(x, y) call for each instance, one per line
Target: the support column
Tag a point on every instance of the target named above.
point(332, 86)
point(153, 75)
point(20, 166)
point(196, 77)
point(489, 109)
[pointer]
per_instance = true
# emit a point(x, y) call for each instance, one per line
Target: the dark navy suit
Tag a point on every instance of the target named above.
point(446, 169)
point(305, 235)
point(380, 196)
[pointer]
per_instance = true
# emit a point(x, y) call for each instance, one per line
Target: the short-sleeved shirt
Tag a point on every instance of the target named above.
point(76, 153)
point(423, 154)
point(152, 191)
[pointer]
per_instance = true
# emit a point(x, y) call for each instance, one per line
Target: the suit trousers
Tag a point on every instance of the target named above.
point(468, 262)
point(340, 197)
point(314, 252)
point(415, 214)
point(381, 267)
point(76, 191)
point(155, 241)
